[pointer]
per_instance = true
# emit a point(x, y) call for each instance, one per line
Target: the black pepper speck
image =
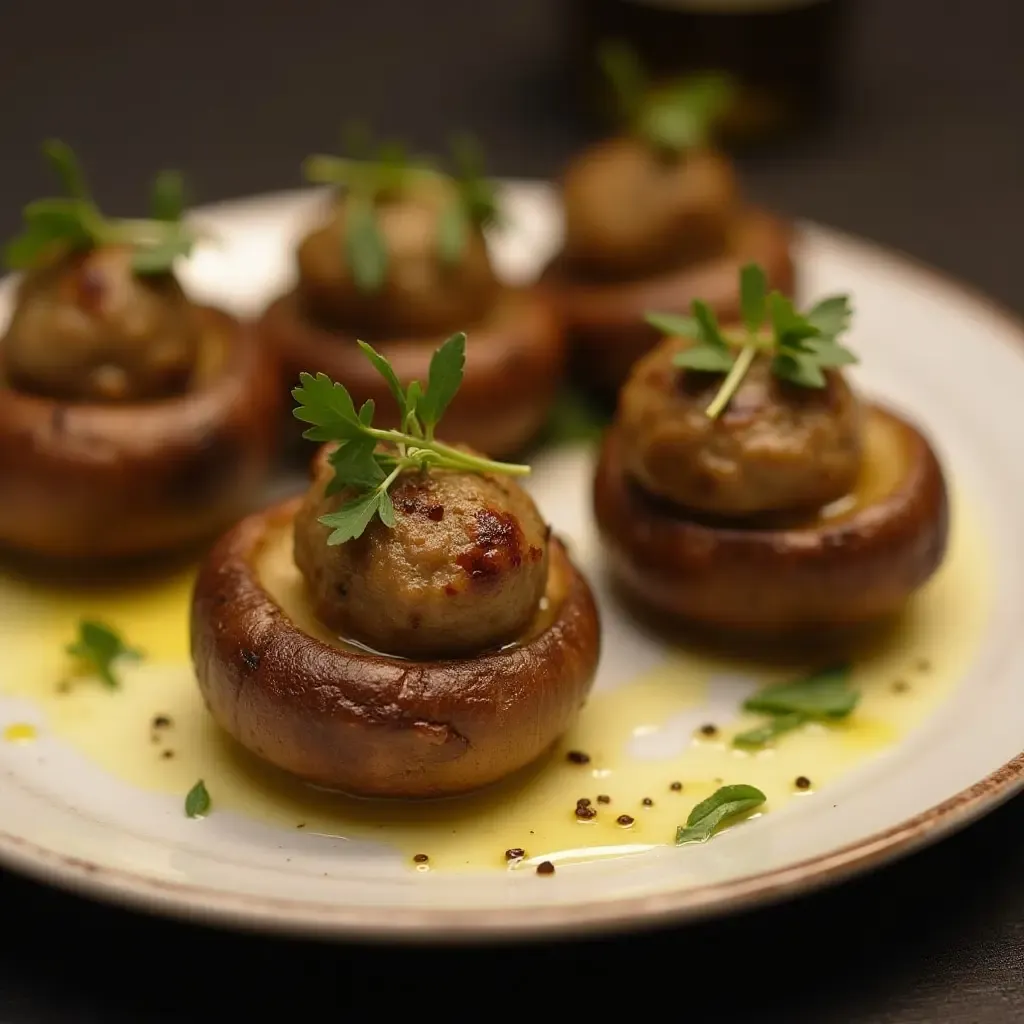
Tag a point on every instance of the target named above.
point(802, 782)
point(545, 867)
point(578, 757)
point(624, 819)
point(515, 853)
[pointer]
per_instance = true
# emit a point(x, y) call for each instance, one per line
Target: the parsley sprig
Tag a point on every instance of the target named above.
point(76, 222)
point(674, 118)
point(823, 696)
point(369, 459)
point(98, 648)
point(387, 171)
point(725, 804)
point(801, 345)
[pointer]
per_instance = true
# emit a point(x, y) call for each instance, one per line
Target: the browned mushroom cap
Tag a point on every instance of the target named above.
point(604, 321)
point(368, 724)
point(514, 361)
point(857, 560)
point(96, 481)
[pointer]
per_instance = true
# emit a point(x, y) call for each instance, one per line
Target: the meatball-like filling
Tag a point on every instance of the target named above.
point(421, 292)
point(630, 211)
point(776, 447)
point(463, 569)
point(87, 328)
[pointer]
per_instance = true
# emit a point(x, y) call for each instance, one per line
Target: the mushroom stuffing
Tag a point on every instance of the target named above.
point(409, 627)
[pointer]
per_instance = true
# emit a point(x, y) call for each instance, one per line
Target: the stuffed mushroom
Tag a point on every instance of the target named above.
point(132, 422)
point(653, 218)
point(744, 486)
point(401, 259)
point(410, 627)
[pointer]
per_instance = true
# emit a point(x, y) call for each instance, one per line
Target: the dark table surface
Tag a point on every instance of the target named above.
point(925, 153)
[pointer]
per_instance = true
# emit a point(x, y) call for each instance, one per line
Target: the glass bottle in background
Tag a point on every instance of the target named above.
point(784, 54)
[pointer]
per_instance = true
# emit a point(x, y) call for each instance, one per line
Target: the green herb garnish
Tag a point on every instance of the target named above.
point(723, 805)
point(197, 802)
point(98, 647)
point(825, 696)
point(368, 459)
point(389, 172)
point(762, 735)
point(801, 345)
point(75, 222)
point(674, 118)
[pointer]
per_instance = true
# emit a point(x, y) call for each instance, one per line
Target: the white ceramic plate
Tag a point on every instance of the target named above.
point(68, 821)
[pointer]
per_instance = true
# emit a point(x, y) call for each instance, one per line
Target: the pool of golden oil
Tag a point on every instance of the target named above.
point(903, 678)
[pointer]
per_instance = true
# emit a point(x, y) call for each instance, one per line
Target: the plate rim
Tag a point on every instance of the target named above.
point(323, 921)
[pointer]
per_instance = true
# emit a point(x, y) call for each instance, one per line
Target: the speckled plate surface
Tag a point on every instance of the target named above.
point(67, 819)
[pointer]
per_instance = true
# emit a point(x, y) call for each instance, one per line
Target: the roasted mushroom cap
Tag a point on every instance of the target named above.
point(86, 327)
point(421, 293)
point(855, 561)
point(631, 211)
point(82, 480)
point(604, 323)
point(462, 570)
point(514, 363)
point(776, 446)
point(278, 682)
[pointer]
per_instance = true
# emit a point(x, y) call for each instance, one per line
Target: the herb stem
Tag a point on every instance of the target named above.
point(452, 456)
point(733, 380)
point(478, 462)
point(401, 467)
point(323, 169)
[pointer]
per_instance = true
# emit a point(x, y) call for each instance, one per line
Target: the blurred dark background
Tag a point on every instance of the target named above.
point(922, 148)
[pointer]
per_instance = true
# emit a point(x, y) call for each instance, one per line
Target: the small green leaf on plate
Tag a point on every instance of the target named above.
point(723, 805)
point(197, 802)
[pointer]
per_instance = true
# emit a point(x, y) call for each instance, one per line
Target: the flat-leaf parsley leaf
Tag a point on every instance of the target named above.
point(367, 459)
point(75, 222)
point(801, 346)
point(99, 648)
point(197, 801)
point(723, 805)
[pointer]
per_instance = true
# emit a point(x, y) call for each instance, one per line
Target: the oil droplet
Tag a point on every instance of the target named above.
point(20, 732)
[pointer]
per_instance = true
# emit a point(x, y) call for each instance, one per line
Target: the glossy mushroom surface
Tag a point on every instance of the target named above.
point(854, 561)
point(514, 364)
point(293, 694)
point(98, 480)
